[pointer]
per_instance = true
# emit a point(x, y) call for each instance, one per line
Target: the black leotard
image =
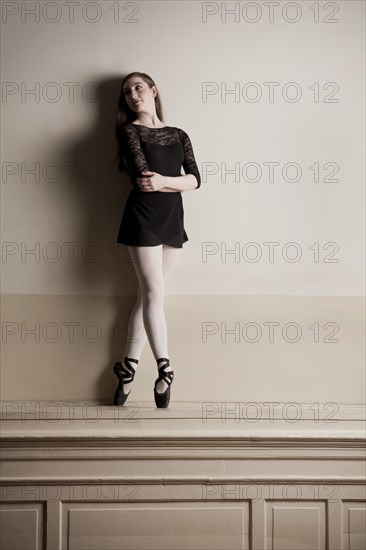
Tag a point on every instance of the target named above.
point(151, 218)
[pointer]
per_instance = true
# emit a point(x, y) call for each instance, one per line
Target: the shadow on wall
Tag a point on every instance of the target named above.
point(95, 192)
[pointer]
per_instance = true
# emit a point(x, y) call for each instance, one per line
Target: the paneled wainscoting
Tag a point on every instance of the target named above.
point(91, 476)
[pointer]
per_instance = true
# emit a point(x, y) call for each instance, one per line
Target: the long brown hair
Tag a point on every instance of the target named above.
point(125, 115)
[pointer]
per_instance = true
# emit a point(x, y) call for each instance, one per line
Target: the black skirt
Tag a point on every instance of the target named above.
point(153, 218)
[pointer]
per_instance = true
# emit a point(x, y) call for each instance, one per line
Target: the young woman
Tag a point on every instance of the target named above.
point(152, 224)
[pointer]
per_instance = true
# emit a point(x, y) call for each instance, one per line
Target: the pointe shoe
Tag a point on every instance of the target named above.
point(162, 399)
point(125, 373)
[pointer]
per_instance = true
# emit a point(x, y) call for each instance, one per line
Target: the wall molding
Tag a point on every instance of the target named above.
point(67, 467)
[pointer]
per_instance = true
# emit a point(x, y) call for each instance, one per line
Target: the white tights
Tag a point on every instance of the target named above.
point(147, 320)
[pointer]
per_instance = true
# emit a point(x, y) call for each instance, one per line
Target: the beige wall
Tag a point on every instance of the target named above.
point(193, 62)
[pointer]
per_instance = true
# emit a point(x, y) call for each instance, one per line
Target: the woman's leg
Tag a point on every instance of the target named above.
point(136, 337)
point(152, 265)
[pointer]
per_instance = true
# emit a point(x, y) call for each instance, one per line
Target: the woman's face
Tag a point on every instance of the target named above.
point(139, 96)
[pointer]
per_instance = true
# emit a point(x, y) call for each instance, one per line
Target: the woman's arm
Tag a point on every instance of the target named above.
point(179, 183)
point(152, 181)
point(133, 154)
point(192, 179)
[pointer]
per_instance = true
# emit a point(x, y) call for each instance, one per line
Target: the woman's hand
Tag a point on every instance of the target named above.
point(152, 181)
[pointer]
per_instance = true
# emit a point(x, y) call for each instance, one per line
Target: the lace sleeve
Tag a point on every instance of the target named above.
point(133, 154)
point(189, 163)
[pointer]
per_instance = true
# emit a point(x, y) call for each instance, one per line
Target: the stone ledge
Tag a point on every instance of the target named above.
point(182, 424)
point(15, 410)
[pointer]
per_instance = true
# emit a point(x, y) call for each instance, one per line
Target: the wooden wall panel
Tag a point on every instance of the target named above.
point(21, 526)
point(354, 522)
point(156, 526)
point(168, 481)
point(296, 526)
